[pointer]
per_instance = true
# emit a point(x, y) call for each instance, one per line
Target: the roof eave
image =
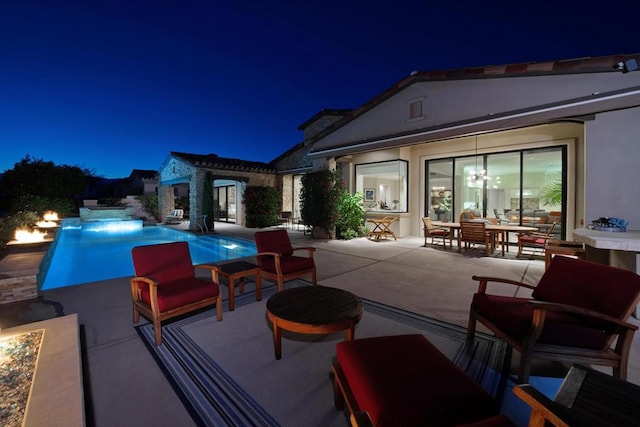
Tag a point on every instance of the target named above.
point(514, 119)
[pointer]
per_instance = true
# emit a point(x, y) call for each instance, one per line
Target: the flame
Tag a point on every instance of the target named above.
point(51, 216)
point(46, 224)
point(26, 236)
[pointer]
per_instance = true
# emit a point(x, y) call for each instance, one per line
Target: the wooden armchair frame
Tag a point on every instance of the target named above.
point(282, 274)
point(616, 356)
point(152, 310)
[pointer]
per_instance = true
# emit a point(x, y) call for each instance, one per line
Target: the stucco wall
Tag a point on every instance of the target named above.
point(458, 100)
point(612, 167)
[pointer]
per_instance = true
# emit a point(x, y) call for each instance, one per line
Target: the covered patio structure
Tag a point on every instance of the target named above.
point(228, 180)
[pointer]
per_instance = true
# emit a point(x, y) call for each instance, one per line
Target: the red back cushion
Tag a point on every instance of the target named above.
point(273, 241)
point(602, 288)
point(164, 262)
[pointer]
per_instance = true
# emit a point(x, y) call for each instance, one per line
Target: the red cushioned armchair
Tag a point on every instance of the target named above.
point(277, 260)
point(577, 313)
point(165, 285)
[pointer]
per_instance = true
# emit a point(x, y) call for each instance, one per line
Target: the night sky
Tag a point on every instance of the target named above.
point(112, 86)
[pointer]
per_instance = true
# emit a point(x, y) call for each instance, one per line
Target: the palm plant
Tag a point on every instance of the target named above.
point(551, 194)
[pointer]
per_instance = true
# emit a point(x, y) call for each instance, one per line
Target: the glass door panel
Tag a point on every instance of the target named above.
point(542, 192)
point(503, 176)
point(222, 204)
point(469, 186)
point(440, 190)
point(231, 203)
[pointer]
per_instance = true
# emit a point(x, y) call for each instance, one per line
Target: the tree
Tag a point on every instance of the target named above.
point(38, 185)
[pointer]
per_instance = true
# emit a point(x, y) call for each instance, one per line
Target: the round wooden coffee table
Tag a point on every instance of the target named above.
point(313, 310)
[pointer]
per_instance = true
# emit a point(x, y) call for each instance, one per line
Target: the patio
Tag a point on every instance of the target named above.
point(123, 384)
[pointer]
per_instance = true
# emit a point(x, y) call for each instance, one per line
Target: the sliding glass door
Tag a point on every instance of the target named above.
point(525, 187)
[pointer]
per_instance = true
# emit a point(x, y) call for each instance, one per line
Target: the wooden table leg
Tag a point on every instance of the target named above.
point(241, 284)
point(232, 304)
point(351, 332)
point(277, 340)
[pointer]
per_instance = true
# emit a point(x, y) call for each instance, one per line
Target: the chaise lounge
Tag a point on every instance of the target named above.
point(175, 217)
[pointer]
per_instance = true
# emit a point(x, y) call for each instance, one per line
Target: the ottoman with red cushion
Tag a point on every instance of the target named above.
point(403, 380)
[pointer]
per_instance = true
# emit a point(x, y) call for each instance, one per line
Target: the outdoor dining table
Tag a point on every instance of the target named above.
point(502, 229)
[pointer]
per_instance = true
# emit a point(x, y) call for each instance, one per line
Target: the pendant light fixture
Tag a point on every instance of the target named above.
point(477, 177)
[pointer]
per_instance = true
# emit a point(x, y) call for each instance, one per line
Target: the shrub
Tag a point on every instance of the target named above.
point(261, 206)
point(149, 204)
point(9, 224)
point(350, 222)
point(40, 204)
point(319, 197)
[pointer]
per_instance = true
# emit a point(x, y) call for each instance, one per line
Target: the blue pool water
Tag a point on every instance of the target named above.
point(89, 252)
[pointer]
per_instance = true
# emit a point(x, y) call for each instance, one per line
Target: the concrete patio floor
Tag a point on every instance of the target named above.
point(124, 386)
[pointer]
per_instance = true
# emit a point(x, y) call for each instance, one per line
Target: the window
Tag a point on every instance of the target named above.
point(524, 187)
point(415, 109)
point(383, 185)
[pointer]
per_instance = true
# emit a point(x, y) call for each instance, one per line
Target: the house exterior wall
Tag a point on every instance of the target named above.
point(567, 134)
point(611, 167)
point(321, 124)
point(600, 139)
point(458, 100)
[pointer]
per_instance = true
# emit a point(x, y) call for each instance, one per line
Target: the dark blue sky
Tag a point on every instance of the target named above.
point(113, 86)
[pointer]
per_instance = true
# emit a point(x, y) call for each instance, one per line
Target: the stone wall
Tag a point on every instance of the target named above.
point(88, 214)
point(13, 289)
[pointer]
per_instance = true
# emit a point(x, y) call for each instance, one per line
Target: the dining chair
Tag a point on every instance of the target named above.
point(577, 312)
point(285, 219)
point(436, 233)
point(475, 232)
point(564, 248)
point(534, 239)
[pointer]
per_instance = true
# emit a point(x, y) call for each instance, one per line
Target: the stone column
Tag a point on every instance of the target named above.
point(166, 201)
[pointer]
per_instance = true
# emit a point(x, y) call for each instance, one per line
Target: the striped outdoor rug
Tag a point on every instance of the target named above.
point(226, 373)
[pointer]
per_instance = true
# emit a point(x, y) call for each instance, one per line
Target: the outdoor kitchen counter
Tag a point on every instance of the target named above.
point(623, 248)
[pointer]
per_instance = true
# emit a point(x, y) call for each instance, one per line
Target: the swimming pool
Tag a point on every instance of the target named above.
point(81, 254)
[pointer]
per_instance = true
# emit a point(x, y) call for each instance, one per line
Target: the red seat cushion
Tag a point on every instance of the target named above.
point(439, 233)
point(288, 264)
point(404, 380)
point(533, 240)
point(181, 292)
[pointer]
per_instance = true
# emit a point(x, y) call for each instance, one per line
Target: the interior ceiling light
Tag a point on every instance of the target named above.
point(476, 177)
